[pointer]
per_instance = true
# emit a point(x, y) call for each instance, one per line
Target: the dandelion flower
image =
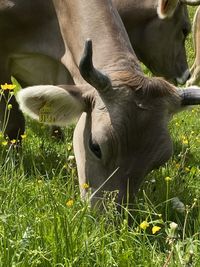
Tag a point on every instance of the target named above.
point(85, 186)
point(7, 86)
point(185, 141)
point(167, 179)
point(4, 143)
point(23, 136)
point(155, 229)
point(70, 203)
point(144, 225)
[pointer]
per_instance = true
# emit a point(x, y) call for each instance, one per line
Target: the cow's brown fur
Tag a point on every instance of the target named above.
point(151, 87)
point(123, 134)
point(32, 47)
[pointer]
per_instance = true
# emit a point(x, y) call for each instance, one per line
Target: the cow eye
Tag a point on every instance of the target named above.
point(95, 148)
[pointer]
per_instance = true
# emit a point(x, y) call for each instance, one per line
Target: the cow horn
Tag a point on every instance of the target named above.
point(190, 96)
point(94, 77)
point(191, 2)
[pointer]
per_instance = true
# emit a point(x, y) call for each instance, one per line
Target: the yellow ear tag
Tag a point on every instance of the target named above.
point(45, 114)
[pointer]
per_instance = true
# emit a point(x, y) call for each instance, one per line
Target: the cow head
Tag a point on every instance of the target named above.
point(122, 129)
point(166, 8)
point(168, 33)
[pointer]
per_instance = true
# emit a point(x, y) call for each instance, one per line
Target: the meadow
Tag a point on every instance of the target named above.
point(43, 221)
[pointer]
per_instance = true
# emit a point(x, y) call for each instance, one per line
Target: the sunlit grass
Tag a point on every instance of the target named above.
point(43, 221)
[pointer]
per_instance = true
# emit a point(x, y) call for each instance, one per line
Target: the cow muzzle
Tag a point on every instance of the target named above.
point(182, 80)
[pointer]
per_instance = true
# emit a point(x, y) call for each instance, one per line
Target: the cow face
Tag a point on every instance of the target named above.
point(170, 34)
point(117, 142)
point(122, 131)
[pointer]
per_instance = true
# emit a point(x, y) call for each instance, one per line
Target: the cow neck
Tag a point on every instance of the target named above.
point(99, 21)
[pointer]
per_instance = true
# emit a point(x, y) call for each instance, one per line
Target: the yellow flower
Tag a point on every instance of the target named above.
point(85, 186)
point(185, 141)
point(13, 141)
point(70, 203)
point(144, 225)
point(9, 106)
point(167, 179)
point(155, 229)
point(23, 136)
point(4, 143)
point(8, 86)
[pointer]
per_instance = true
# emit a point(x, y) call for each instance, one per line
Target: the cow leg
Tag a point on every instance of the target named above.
point(12, 122)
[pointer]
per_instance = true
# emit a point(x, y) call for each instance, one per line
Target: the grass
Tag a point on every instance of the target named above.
point(43, 221)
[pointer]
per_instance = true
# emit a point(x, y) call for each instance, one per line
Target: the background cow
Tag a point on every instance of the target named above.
point(122, 130)
point(32, 48)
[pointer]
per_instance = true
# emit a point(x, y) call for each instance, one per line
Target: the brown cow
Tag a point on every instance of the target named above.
point(166, 8)
point(122, 129)
point(32, 47)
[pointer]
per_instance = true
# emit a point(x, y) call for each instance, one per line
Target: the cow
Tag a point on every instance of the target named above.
point(121, 133)
point(32, 48)
point(195, 70)
point(166, 8)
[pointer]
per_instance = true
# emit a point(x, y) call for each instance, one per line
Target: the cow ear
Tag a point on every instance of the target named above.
point(166, 8)
point(52, 104)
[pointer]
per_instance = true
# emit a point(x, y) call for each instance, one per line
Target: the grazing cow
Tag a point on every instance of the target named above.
point(195, 70)
point(166, 8)
point(122, 129)
point(32, 48)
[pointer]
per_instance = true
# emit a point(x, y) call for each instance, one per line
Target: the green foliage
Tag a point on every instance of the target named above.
point(43, 221)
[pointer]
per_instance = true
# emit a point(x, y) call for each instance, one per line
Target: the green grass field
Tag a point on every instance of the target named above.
point(43, 221)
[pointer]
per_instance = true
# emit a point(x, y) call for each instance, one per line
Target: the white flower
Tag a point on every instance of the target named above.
point(173, 225)
point(71, 158)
